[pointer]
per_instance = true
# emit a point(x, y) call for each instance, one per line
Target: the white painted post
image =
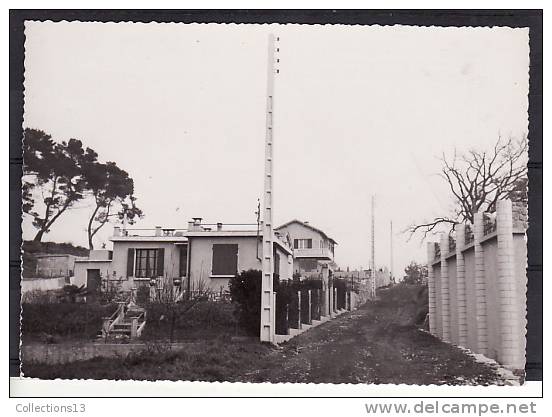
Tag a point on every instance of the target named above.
point(445, 292)
point(267, 324)
point(461, 286)
point(134, 328)
point(479, 278)
point(431, 289)
point(310, 307)
point(511, 353)
point(299, 326)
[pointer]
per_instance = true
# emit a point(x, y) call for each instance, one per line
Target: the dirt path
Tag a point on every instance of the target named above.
point(368, 346)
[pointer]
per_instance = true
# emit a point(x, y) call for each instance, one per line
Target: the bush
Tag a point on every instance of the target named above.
point(40, 297)
point(64, 319)
point(190, 319)
point(245, 290)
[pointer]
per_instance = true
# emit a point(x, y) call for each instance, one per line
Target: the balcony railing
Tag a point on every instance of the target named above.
point(325, 253)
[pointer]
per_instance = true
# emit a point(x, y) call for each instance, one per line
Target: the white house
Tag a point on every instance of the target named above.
point(202, 254)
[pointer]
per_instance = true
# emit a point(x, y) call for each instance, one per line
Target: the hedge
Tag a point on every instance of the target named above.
point(190, 320)
point(74, 320)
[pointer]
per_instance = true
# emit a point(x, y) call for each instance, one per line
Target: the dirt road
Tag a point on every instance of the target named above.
point(369, 346)
point(375, 344)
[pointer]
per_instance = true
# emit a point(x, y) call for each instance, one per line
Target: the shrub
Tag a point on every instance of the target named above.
point(64, 319)
point(143, 295)
point(245, 290)
point(40, 297)
point(190, 319)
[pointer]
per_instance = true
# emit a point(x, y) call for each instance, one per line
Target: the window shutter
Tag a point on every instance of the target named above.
point(309, 243)
point(225, 259)
point(295, 243)
point(160, 261)
point(130, 262)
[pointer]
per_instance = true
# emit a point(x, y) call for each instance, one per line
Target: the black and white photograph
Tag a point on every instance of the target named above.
point(275, 203)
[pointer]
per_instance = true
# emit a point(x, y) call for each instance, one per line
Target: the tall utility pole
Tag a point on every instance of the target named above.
point(373, 250)
point(268, 306)
point(391, 250)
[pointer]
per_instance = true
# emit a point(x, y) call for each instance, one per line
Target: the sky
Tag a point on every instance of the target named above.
point(359, 111)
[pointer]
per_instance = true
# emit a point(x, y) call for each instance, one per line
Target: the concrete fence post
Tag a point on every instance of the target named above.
point(511, 353)
point(287, 318)
point(461, 286)
point(335, 299)
point(134, 328)
point(309, 321)
point(299, 309)
point(445, 290)
point(431, 289)
point(330, 300)
point(479, 279)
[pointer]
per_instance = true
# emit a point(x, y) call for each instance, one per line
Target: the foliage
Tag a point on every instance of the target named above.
point(415, 273)
point(142, 295)
point(72, 293)
point(245, 290)
point(40, 297)
point(189, 319)
point(113, 192)
point(56, 169)
point(58, 175)
point(82, 320)
point(477, 179)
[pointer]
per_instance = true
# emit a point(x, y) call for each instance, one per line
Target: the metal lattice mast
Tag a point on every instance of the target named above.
point(267, 291)
point(373, 252)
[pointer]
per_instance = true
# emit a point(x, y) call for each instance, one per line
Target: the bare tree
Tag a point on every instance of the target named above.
point(478, 179)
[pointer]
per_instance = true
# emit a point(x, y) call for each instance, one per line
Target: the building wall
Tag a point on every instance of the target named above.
point(298, 231)
point(438, 300)
point(201, 249)
point(453, 309)
point(81, 271)
point(120, 256)
point(50, 266)
point(469, 264)
point(520, 265)
point(493, 325)
point(496, 308)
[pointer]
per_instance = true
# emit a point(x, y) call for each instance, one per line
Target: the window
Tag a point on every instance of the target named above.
point(225, 259)
point(302, 244)
point(149, 263)
point(276, 263)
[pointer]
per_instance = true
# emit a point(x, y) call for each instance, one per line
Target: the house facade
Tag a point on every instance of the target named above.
point(200, 256)
point(313, 249)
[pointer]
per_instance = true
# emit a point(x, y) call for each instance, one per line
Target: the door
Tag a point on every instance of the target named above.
point(92, 283)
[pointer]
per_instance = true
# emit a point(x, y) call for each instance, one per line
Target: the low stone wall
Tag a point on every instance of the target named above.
point(63, 353)
point(42, 284)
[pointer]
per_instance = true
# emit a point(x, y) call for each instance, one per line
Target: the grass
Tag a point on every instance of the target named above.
point(214, 360)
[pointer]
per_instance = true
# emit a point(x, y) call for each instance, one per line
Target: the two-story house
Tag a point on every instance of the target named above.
point(313, 249)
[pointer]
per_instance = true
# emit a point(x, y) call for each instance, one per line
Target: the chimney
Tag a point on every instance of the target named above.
point(219, 226)
point(157, 230)
point(197, 223)
point(190, 226)
point(116, 231)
